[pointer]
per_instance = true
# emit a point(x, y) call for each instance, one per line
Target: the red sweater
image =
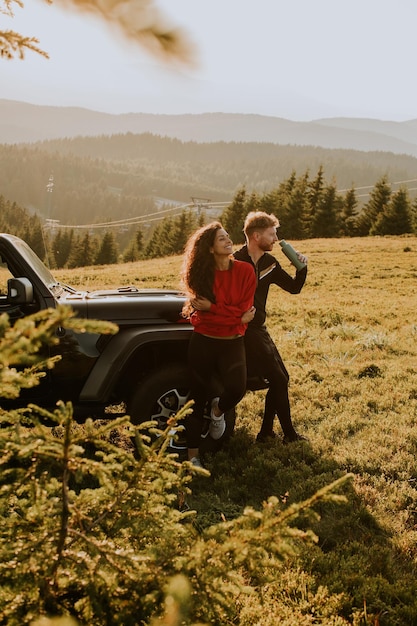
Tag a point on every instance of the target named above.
point(234, 290)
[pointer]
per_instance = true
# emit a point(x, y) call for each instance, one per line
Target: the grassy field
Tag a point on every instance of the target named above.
point(349, 341)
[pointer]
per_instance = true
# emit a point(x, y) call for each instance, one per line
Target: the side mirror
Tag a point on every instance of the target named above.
point(19, 291)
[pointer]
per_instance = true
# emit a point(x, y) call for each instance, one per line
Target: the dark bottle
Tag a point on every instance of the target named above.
point(289, 252)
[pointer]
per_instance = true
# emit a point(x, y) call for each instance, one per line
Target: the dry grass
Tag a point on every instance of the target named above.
point(153, 273)
point(349, 339)
point(350, 343)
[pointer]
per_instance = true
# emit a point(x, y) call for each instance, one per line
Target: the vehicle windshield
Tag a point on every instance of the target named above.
point(10, 266)
point(32, 259)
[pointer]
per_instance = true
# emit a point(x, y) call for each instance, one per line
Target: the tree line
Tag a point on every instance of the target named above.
point(311, 208)
point(307, 207)
point(120, 176)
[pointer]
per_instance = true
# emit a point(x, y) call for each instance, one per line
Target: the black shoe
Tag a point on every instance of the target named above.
point(295, 437)
point(262, 437)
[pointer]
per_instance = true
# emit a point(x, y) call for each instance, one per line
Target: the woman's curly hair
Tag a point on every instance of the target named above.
point(198, 266)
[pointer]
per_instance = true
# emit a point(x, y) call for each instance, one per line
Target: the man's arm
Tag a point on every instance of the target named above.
point(292, 284)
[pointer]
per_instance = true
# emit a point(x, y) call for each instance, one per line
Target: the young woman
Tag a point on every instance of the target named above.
point(220, 305)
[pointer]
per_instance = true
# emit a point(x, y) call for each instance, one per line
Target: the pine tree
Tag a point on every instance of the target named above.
point(66, 246)
point(107, 253)
point(349, 214)
point(276, 201)
point(135, 248)
point(34, 237)
point(131, 253)
point(414, 217)
point(295, 211)
point(201, 219)
point(326, 220)
point(15, 219)
point(160, 243)
point(287, 186)
point(182, 227)
point(233, 216)
point(83, 252)
point(56, 247)
point(380, 197)
point(270, 202)
point(315, 195)
point(170, 235)
point(395, 219)
point(60, 248)
point(139, 241)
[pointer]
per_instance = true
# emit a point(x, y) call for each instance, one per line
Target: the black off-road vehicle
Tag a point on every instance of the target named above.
point(142, 368)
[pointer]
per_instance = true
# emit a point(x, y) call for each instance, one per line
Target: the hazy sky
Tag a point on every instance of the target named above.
point(297, 59)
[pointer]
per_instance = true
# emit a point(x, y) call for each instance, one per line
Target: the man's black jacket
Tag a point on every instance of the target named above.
point(269, 271)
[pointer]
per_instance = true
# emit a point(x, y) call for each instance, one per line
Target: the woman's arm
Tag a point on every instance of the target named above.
point(248, 315)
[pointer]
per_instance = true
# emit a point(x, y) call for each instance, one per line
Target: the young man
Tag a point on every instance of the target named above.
point(261, 353)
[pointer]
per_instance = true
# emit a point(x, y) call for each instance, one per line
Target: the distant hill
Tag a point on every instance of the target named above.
point(21, 122)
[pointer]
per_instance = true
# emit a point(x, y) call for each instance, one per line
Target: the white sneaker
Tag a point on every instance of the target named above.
point(217, 424)
point(195, 462)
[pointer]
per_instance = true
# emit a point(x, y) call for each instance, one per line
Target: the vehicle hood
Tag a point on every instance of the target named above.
point(127, 305)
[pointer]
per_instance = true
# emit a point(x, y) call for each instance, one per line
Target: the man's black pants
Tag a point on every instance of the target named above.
point(264, 359)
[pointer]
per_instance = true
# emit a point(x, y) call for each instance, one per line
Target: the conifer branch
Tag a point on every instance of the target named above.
point(136, 20)
point(13, 44)
point(91, 529)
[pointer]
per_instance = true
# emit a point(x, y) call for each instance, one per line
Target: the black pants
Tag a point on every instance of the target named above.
point(208, 357)
point(264, 359)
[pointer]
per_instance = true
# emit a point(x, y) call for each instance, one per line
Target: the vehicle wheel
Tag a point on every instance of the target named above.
point(161, 395)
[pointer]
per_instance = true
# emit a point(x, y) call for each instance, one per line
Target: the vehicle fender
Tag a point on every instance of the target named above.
point(112, 362)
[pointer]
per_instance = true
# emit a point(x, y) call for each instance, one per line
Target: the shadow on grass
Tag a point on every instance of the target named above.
point(354, 555)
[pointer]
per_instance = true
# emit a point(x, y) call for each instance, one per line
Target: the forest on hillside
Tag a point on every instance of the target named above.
point(104, 199)
point(309, 207)
point(119, 176)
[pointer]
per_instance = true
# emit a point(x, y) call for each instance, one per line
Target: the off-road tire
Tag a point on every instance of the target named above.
point(161, 395)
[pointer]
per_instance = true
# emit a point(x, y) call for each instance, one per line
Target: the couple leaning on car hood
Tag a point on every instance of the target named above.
point(226, 305)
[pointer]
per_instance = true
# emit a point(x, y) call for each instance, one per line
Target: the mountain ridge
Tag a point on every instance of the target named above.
point(22, 122)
